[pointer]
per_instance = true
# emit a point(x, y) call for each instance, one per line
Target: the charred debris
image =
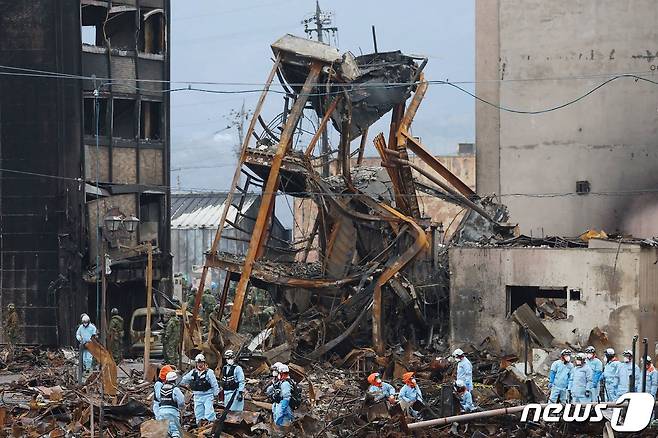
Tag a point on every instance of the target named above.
point(379, 275)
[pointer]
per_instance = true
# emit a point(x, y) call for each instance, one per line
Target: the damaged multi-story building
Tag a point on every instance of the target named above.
point(569, 162)
point(84, 147)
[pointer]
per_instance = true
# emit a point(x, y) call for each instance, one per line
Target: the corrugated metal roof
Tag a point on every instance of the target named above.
point(203, 210)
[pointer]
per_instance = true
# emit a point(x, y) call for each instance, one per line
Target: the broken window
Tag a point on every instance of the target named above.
point(150, 208)
point(91, 22)
point(120, 27)
point(547, 302)
point(90, 113)
point(123, 118)
point(152, 35)
point(150, 120)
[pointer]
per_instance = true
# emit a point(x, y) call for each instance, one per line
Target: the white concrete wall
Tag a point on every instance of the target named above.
point(610, 138)
point(609, 282)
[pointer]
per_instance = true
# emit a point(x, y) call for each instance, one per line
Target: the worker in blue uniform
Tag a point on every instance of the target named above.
point(581, 382)
point(464, 368)
point(652, 377)
point(233, 382)
point(559, 376)
point(203, 383)
point(171, 402)
point(597, 371)
point(625, 373)
point(610, 375)
point(85, 332)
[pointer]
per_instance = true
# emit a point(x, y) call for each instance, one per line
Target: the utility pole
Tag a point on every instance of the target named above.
point(149, 295)
point(322, 21)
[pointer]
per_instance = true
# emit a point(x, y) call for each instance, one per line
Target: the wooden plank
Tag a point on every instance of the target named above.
point(269, 190)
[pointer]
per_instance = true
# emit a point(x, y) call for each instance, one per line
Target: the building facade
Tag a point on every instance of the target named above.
point(84, 140)
point(608, 285)
point(587, 165)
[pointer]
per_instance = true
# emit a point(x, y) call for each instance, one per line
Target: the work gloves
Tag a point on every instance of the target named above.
point(240, 396)
point(588, 393)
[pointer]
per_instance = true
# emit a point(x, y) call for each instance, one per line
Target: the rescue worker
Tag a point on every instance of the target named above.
point(273, 389)
point(464, 369)
point(597, 370)
point(171, 402)
point(652, 377)
point(115, 335)
point(162, 378)
point(380, 390)
point(232, 381)
point(464, 396)
point(283, 414)
point(11, 324)
point(203, 383)
point(625, 372)
point(409, 394)
point(610, 375)
point(171, 340)
point(216, 314)
point(559, 377)
point(208, 303)
point(581, 382)
point(85, 332)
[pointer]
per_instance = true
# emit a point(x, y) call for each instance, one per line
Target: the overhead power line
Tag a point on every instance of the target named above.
point(343, 195)
point(455, 85)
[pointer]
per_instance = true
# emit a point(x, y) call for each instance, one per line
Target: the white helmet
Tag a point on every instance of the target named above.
point(172, 376)
point(648, 359)
point(283, 368)
point(85, 318)
point(200, 358)
point(458, 352)
point(610, 352)
point(228, 354)
point(276, 366)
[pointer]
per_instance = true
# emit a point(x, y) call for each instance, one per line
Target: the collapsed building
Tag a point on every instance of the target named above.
point(84, 144)
point(380, 274)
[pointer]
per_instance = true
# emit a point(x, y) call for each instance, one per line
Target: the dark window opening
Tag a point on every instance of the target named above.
point(150, 120)
point(152, 35)
point(574, 295)
point(547, 302)
point(120, 30)
point(90, 113)
point(150, 209)
point(123, 122)
point(92, 19)
point(582, 187)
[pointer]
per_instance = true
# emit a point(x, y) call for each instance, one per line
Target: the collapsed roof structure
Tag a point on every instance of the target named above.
point(378, 255)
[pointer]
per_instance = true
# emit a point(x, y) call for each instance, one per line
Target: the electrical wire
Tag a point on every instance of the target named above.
point(322, 84)
point(344, 195)
point(455, 85)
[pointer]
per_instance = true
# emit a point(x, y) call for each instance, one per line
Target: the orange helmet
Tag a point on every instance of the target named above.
point(406, 377)
point(372, 379)
point(163, 372)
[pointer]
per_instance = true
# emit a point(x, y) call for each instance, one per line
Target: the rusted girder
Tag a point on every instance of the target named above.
point(323, 124)
point(272, 277)
point(419, 244)
point(229, 197)
point(269, 191)
point(422, 153)
point(447, 188)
